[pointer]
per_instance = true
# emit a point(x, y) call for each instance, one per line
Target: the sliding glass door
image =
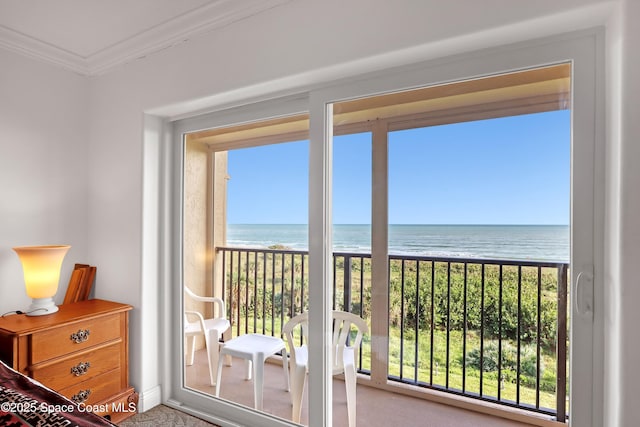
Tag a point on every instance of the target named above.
point(456, 219)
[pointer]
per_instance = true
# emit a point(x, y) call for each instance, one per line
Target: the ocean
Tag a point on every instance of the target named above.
point(521, 242)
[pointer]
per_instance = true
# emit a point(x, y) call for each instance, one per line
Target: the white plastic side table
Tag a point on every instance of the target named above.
point(255, 349)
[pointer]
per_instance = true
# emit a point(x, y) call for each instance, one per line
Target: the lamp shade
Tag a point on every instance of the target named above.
point(41, 267)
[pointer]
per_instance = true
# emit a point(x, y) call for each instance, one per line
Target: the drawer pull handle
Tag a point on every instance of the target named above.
point(80, 369)
point(81, 396)
point(80, 336)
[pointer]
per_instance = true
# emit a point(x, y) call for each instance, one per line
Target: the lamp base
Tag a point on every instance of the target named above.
point(41, 307)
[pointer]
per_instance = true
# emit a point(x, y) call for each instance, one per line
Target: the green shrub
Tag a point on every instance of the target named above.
point(509, 360)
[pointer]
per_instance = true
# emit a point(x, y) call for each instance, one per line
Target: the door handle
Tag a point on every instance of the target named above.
point(584, 294)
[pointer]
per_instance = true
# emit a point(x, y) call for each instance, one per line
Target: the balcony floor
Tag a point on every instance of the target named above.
point(374, 407)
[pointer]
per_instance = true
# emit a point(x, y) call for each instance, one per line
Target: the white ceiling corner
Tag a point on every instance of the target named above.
point(94, 48)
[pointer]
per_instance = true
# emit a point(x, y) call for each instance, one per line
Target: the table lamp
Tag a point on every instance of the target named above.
point(41, 267)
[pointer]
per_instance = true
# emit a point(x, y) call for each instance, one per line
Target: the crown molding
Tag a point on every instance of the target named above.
point(167, 34)
point(39, 50)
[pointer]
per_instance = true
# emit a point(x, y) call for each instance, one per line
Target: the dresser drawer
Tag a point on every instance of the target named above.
point(95, 389)
point(79, 367)
point(74, 337)
point(119, 407)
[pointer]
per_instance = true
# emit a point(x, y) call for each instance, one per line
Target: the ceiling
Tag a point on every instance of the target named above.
point(520, 92)
point(91, 37)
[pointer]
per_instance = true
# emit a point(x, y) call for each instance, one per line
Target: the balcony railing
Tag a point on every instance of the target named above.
point(489, 329)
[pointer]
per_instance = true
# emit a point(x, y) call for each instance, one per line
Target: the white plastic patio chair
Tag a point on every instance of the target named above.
point(345, 357)
point(211, 329)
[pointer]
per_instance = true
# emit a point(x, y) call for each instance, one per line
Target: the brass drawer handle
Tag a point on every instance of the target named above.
point(80, 369)
point(80, 336)
point(81, 396)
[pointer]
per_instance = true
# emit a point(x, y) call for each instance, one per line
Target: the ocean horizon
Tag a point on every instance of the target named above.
point(512, 242)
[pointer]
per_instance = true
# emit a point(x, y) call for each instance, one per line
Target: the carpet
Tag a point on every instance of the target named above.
point(161, 416)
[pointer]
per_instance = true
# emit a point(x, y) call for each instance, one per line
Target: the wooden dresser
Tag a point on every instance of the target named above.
point(81, 351)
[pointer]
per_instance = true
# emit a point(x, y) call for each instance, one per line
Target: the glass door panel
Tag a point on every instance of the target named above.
point(470, 235)
point(246, 244)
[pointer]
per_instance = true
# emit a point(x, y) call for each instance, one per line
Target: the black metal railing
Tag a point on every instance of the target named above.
point(494, 330)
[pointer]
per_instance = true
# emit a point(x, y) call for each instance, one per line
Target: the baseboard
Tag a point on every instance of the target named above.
point(150, 398)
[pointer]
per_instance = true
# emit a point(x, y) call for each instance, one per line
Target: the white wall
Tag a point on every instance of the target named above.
point(103, 195)
point(43, 168)
point(622, 284)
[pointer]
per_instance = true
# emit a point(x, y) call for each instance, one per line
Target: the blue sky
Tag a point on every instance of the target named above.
point(512, 170)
